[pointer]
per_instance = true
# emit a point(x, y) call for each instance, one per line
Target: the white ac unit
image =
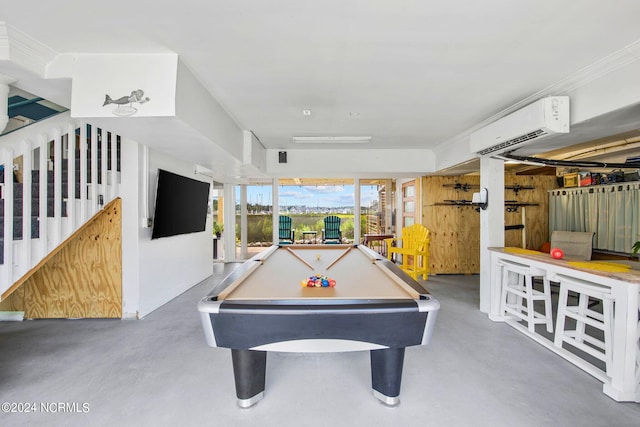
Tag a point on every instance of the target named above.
point(542, 118)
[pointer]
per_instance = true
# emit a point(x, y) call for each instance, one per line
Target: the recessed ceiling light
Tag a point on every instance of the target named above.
point(306, 112)
point(331, 139)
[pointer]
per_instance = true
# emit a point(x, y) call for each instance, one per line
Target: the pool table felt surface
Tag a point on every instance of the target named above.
point(359, 274)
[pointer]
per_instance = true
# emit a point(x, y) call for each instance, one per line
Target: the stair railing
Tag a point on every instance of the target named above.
point(54, 176)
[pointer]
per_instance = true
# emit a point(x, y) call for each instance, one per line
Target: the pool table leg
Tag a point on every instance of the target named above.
point(249, 368)
point(386, 374)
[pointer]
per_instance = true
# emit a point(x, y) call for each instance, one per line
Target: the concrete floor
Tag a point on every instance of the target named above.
point(159, 372)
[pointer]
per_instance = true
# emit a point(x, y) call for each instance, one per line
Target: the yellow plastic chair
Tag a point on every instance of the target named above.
point(414, 248)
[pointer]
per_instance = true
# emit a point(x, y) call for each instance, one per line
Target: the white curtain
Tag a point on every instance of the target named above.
point(611, 211)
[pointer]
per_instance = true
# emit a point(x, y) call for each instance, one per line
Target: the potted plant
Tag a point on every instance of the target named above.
point(635, 248)
point(218, 229)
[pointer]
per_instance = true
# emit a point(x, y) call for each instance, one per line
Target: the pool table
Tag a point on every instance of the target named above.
point(261, 306)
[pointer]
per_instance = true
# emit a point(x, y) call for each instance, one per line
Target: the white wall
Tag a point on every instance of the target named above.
point(253, 152)
point(130, 192)
point(197, 108)
point(118, 75)
point(369, 163)
point(171, 265)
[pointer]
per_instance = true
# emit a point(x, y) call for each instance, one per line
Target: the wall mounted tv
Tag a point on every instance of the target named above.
point(181, 205)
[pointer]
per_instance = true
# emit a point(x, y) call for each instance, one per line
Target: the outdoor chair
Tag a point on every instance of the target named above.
point(331, 232)
point(286, 234)
point(414, 248)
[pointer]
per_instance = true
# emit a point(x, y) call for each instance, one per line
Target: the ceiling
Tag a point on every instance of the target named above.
point(410, 74)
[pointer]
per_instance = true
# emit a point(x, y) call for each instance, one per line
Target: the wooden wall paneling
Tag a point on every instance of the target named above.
point(15, 301)
point(513, 238)
point(539, 230)
point(469, 240)
point(84, 278)
point(428, 220)
point(455, 230)
point(443, 253)
point(537, 217)
point(442, 250)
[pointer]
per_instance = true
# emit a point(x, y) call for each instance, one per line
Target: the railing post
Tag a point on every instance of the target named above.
point(6, 158)
point(27, 166)
point(94, 170)
point(57, 187)
point(104, 145)
point(114, 167)
point(83, 172)
point(71, 179)
point(43, 189)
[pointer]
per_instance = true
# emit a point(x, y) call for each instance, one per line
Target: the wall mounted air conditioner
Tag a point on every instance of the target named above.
point(542, 118)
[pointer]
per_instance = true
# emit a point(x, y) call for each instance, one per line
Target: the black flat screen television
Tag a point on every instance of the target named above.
point(181, 205)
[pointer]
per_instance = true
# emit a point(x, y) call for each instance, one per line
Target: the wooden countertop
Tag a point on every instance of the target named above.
point(632, 276)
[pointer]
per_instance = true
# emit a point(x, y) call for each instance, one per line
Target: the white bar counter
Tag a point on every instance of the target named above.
point(623, 382)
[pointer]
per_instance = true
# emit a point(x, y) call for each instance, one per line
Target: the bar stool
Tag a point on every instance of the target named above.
point(523, 290)
point(584, 315)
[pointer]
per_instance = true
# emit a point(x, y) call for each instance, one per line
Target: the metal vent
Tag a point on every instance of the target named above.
point(514, 141)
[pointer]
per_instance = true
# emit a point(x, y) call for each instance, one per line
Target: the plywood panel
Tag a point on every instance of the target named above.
point(469, 240)
point(455, 230)
point(83, 279)
point(15, 302)
point(536, 217)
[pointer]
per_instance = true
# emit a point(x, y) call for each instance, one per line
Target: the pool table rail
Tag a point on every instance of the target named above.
point(405, 282)
point(252, 325)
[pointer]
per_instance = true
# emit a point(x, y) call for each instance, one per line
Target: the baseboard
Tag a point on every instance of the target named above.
point(11, 316)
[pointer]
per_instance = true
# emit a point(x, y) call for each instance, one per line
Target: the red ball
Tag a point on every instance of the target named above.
point(557, 253)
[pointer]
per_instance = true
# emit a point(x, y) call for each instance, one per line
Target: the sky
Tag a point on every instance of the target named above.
point(312, 196)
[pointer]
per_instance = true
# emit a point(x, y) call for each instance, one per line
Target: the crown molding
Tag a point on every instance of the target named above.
point(610, 63)
point(24, 51)
point(4, 42)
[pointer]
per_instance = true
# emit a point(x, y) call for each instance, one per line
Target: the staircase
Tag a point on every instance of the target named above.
point(41, 165)
point(18, 211)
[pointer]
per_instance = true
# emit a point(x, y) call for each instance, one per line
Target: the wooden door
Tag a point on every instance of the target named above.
point(410, 208)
